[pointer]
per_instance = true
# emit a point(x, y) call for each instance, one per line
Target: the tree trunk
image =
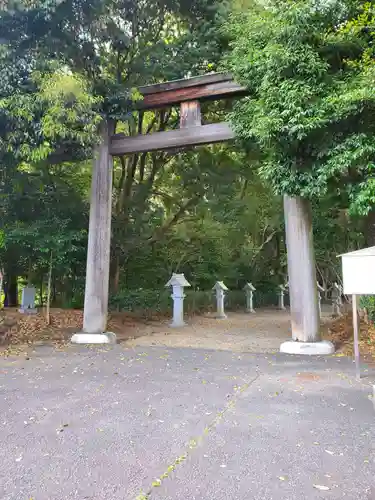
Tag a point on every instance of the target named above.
point(369, 229)
point(304, 306)
point(98, 252)
point(54, 292)
point(49, 288)
point(41, 292)
point(1, 286)
point(116, 275)
point(10, 291)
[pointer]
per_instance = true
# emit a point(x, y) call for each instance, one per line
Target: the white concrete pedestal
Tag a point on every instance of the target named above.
point(28, 311)
point(93, 338)
point(321, 348)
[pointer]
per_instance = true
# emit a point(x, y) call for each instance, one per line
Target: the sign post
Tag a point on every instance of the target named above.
point(356, 338)
point(358, 269)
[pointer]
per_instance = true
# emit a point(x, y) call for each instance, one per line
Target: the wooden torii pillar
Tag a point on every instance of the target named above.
point(188, 95)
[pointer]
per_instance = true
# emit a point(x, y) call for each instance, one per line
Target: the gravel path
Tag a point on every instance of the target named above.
point(183, 424)
point(261, 332)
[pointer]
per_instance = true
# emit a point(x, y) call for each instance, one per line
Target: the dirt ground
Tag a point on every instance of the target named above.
point(261, 332)
point(240, 332)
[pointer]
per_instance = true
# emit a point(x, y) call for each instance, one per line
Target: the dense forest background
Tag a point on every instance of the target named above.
point(210, 213)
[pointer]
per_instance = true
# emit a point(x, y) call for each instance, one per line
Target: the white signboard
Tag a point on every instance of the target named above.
point(358, 272)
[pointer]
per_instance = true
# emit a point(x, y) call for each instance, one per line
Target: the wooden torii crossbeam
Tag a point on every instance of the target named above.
point(188, 95)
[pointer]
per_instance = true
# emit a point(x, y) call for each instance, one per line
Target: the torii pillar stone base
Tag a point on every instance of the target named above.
point(322, 348)
point(94, 338)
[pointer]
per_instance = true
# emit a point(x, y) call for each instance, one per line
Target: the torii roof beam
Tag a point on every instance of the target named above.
point(188, 94)
point(203, 88)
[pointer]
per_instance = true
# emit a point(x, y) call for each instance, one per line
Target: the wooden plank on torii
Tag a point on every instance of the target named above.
point(203, 88)
point(171, 139)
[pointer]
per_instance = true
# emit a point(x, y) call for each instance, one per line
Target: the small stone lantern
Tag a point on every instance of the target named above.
point(178, 282)
point(249, 291)
point(282, 291)
point(336, 299)
point(320, 290)
point(220, 290)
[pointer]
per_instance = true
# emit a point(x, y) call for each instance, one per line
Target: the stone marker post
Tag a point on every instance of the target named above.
point(220, 290)
point(320, 290)
point(282, 291)
point(178, 282)
point(249, 291)
point(28, 301)
point(336, 299)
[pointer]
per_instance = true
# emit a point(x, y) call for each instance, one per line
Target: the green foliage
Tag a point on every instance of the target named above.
point(312, 96)
point(368, 302)
point(70, 107)
point(146, 302)
point(65, 111)
point(211, 212)
point(141, 301)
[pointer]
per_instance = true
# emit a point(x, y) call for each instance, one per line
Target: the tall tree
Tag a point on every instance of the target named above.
point(81, 60)
point(310, 109)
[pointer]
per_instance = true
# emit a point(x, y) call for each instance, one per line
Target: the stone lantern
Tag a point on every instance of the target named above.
point(249, 291)
point(178, 283)
point(220, 290)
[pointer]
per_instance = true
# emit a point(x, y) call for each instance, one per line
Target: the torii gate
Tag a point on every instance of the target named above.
point(187, 94)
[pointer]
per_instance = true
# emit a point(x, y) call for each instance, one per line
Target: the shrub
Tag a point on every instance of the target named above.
point(368, 302)
point(141, 301)
point(146, 302)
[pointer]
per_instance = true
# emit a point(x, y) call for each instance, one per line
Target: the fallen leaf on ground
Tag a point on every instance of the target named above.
point(321, 487)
